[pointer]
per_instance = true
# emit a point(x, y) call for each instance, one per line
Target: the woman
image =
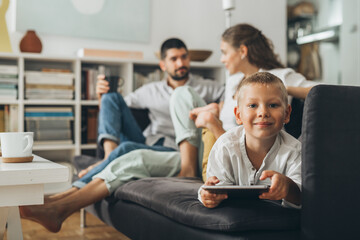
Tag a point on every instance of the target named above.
point(245, 51)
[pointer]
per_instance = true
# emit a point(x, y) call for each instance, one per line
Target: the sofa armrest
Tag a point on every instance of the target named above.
point(331, 163)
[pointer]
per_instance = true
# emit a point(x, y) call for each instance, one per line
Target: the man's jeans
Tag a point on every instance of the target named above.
point(117, 123)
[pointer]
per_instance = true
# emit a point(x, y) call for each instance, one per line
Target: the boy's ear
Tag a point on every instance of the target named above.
point(162, 65)
point(237, 115)
point(287, 114)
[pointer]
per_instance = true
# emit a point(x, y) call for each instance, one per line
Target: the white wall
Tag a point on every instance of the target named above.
point(350, 43)
point(199, 23)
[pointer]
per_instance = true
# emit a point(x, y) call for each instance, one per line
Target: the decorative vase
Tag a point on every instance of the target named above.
point(30, 42)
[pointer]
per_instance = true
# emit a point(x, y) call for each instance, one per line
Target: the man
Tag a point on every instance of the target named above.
point(118, 130)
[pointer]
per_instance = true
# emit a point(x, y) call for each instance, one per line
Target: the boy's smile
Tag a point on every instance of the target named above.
point(262, 111)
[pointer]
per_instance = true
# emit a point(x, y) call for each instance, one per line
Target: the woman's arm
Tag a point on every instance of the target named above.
point(298, 92)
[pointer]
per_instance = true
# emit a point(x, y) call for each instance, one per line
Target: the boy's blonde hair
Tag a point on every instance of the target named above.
point(264, 78)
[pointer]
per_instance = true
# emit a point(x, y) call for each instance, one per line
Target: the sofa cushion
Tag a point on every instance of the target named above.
point(176, 198)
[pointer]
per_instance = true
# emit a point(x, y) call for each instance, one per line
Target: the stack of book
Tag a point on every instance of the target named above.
point(49, 85)
point(8, 82)
point(9, 118)
point(50, 125)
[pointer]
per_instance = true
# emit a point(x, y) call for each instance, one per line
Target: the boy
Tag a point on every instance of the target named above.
point(259, 151)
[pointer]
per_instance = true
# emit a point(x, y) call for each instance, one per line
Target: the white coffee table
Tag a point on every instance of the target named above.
point(23, 184)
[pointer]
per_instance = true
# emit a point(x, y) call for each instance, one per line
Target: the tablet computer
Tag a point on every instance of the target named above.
point(235, 191)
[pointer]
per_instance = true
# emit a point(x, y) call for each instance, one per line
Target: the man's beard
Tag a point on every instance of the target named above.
point(182, 77)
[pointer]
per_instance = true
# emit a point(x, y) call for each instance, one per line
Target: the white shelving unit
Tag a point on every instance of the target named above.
point(121, 67)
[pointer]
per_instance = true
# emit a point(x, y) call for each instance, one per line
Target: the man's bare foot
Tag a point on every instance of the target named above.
point(58, 196)
point(46, 216)
point(86, 170)
point(212, 107)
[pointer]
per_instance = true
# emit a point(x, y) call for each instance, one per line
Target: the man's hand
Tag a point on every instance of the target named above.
point(102, 86)
point(211, 200)
point(279, 188)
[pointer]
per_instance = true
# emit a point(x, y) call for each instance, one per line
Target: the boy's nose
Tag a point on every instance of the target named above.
point(263, 112)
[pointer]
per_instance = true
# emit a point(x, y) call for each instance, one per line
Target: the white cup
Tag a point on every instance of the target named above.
point(16, 144)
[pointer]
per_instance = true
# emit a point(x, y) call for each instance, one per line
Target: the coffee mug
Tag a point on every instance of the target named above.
point(16, 144)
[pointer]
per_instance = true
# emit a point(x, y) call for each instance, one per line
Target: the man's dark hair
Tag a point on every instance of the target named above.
point(171, 43)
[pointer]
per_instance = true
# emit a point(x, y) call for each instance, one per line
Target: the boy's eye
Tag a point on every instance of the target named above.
point(251, 105)
point(273, 105)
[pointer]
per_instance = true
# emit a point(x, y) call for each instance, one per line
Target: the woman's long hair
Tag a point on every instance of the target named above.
point(260, 48)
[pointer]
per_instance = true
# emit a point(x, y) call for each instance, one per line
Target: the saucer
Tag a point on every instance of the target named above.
point(17, 159)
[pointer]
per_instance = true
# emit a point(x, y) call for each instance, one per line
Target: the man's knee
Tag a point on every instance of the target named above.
point(110, 98)
point(127, 146)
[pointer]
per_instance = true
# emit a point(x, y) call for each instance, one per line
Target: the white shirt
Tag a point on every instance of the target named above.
point(228, 160)
point(287, 75)
point(155, 96)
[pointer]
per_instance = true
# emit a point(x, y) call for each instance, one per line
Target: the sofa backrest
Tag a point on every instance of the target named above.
point(331, 163)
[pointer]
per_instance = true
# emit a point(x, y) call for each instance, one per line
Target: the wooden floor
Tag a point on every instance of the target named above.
point(71, 230)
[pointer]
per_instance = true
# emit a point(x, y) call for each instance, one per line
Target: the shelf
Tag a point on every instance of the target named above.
point(89, 146)
point(8, 102)
point(125, 68)
point(89, 102)
point(49, 102)
point(325, 35)
point(53, 147)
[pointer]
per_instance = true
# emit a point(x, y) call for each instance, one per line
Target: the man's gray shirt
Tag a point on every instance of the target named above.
point(155, 97)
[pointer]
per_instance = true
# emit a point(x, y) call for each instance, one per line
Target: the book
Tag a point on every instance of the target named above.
point(88, 52)
point(8, 75)
point(2, 120)
point(54, 142)
point(52, 134)
point(92, 124)
point(55, 70)
point(8, 94)
point(8, 69)
point(53, 96)
point(34, 125)
point(11, 118)
point(9, 80)
point(52, 78)
point(7, 91)
point(90, 79)
point(48, 109)
point(49, 118)
point(49, 86)
point(49, 114)
point(7, 85)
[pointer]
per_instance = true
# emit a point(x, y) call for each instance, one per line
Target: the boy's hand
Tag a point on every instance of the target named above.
point(102, 86)
point(279, 188)
point(211, 200)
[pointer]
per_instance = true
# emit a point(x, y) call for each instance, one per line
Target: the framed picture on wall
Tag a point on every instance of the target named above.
point(124, 20)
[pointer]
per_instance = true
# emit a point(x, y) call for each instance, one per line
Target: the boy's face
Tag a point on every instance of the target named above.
point(262, 110)
point(176, 63)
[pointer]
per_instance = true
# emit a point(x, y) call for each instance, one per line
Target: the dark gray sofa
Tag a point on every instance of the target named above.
point(167, 208)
